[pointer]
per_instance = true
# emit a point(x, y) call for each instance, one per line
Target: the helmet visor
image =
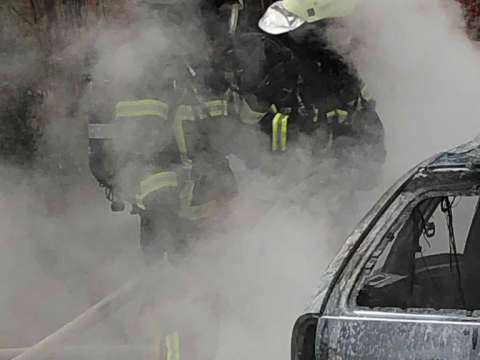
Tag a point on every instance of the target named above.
point(278, 20)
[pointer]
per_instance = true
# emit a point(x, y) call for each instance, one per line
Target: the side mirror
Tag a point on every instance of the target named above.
point(303, 337)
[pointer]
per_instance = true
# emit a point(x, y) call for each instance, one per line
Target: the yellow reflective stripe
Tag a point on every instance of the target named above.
point(137, 108)
point(217, 107)
point(194, 212)
point(275, 123)
point(188, 113)
point(365, 93)
point(284, 132)
point(183, 113)
point(150, 107)
point(279, 130)
point(341, 115)
point(154, 183)
point(172, 341)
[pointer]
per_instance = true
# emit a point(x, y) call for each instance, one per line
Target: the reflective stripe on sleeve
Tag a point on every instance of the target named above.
point(155, 182)
point(138, 108)
point(217, 108)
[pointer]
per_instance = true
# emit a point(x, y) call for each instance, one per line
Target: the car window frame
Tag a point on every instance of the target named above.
point(377, 244)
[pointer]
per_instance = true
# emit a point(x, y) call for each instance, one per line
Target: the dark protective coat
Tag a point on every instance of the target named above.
point(302, 73)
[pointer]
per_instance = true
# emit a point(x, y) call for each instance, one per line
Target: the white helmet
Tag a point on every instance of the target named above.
point(287, 15)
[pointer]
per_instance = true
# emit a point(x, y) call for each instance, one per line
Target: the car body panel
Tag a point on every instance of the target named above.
point(382, 336)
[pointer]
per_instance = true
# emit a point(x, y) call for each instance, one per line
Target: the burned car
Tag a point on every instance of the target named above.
point(406, 284)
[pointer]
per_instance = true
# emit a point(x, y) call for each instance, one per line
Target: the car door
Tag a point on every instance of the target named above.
point(389, 335)
point(411, 295)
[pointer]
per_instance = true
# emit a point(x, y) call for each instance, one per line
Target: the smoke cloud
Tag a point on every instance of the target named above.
point(264, 264)
point(423, 71)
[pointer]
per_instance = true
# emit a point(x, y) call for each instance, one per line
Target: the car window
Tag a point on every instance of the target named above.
point(428, 259)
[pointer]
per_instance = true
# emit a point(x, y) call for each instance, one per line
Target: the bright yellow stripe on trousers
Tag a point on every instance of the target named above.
point(284, 132)
point(173, 346)
point(275, 123)
point(279, 131)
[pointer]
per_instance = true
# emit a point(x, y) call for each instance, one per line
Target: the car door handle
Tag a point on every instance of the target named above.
point(475, 338)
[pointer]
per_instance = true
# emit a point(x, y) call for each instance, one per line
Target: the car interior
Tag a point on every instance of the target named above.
point(430, 261)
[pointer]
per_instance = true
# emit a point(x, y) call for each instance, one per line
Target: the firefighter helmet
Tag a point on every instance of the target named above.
point(287, 15)
point(278, 20)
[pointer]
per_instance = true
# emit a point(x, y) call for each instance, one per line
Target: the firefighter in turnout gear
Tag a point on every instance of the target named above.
point(152, 145)
point(300, 92)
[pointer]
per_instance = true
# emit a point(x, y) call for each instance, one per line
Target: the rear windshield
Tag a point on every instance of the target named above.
point(429, 259)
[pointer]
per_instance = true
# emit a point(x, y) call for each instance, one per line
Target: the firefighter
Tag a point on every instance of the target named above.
point(157, 153)
point(152, 145)
point(294, 86)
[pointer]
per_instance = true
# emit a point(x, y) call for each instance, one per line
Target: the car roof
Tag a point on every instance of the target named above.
point(466, 156)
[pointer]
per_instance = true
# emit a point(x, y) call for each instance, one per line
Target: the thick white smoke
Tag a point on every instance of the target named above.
point(424, 74)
